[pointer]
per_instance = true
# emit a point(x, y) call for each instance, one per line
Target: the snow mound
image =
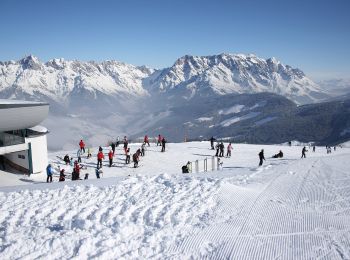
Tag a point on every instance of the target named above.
point(140, 216)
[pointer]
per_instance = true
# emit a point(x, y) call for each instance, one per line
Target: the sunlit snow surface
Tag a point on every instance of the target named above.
point(289, 208)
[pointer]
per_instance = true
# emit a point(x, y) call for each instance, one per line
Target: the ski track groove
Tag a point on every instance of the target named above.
point(252, 232)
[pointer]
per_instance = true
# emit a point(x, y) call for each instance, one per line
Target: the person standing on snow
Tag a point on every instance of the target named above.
point(222, 148)
point(135, 159)
point(118, 141)
point(146, 141)
point(82, 146)
point(89, 153)
point(110, 157)
point(79, 155)
point(159, 140)
point(261, 157)
point(303, 155)
point(76, 171)
point(66, 159)
point(62, 176)
point(217, 147)
point(143, 147)
point(113, 147)
point(125, 144)
point(49, 172)
point(313, 149)
point(100, 157)
point(127, 159)
point(229, 148)
point(212, 139)
point(163, 144)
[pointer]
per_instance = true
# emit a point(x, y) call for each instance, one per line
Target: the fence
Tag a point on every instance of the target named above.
point(208, 164)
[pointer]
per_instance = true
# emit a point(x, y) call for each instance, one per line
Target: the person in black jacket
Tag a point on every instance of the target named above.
point(303, 155)
point(261, 157)
point(163, 144)
point(222, 148)
point(212, 139)
point(66, 159)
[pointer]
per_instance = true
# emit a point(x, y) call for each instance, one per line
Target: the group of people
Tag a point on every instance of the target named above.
point(140, 152)
point(220, 148)
point(76, 163)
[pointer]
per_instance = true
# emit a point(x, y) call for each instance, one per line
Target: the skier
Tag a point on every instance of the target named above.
point(229, 148)
point(113, 147)
point(127, 159)
point(125, 144)
point(159, 140)
point(49, 172)
point(89, 153)
point(66, 159)
point(313, 149)
point(261, 157)
point(222, 148)
point(163, 144)
point(118, 141)
point(303, 152)
point(110, 157)
point(100, 156)
point(135, 159)
point(62, 176)
point(335, 148)
point(146, 141)
point(212, 139)
point(143, 146)
point(82, 146)
point(100, 149)
point(79, 155)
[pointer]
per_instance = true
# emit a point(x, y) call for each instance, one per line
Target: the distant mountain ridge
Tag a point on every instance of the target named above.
point(235, 74)
point(220, 74)
point(226, 95)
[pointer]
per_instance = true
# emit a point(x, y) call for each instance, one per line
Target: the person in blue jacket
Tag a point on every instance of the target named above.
point(49, 172)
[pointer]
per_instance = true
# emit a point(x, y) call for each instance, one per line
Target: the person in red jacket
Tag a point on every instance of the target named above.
point(145, 140)
point(159, 140)
point(110, 157)
point(100, 157)
point(82, 146)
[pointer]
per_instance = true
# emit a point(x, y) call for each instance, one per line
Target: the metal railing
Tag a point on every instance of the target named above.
point(208, 164)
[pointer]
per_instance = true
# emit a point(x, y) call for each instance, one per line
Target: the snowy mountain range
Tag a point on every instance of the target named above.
point(99, 100)
point(222, 74)
point(234, 74)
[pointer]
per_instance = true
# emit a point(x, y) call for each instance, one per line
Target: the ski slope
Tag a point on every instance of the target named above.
point(289, 208)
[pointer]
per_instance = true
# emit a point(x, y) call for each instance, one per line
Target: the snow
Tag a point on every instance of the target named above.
point(204, 119)
point(234, 120)
point(265, 120)
point(232, 110)
point(39, 128)
point(289, 208)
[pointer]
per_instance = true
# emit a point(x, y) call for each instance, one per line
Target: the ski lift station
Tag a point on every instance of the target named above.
point(23, 144)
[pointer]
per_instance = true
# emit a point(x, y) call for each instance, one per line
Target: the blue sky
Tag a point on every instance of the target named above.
point(313, 35)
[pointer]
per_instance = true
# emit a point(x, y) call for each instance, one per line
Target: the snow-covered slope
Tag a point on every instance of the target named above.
point(289, 208)
point(58, 78)
point(230, 73)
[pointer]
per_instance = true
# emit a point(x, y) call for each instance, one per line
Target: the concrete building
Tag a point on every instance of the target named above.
point(23, 144)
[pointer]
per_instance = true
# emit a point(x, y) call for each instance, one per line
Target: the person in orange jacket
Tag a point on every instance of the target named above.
point(110, 157)
point(100, 157)
point(82, 146)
